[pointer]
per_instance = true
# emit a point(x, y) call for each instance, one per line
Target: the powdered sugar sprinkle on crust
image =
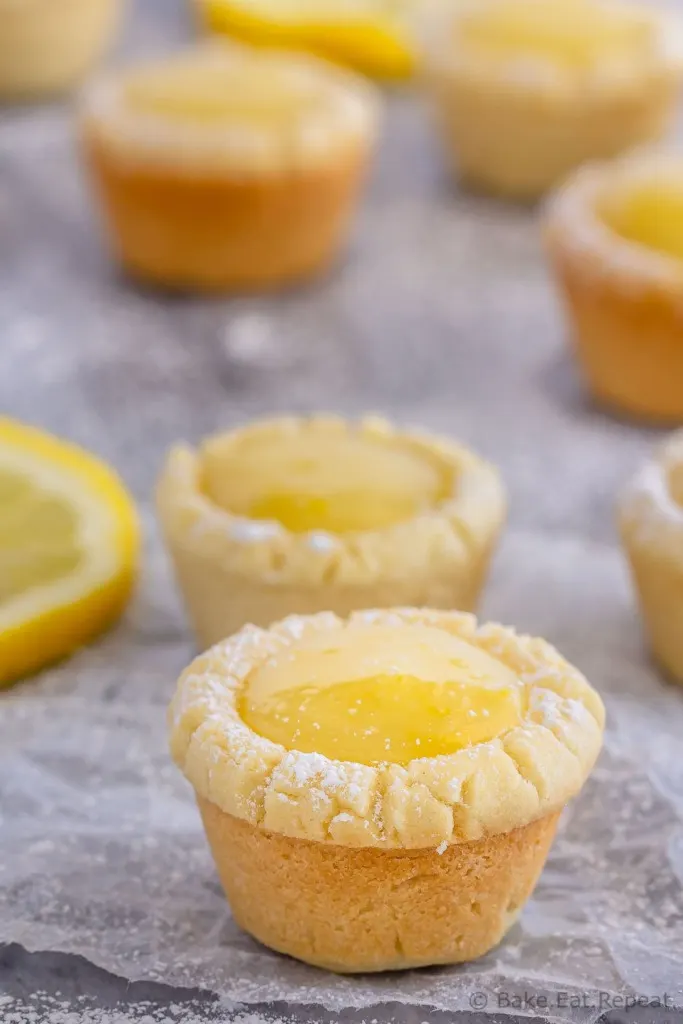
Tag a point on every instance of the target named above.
point(308, 795)
point(453, 532)
point(648, 512)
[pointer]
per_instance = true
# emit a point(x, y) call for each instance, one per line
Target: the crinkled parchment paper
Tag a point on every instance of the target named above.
point(443, 316)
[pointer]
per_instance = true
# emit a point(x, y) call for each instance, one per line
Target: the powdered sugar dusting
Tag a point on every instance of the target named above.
point(648, 502)
point(322, 542)
point(253, 531)
point(46, 1008)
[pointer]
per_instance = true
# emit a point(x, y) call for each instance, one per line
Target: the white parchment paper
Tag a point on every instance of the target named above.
point(103, 853)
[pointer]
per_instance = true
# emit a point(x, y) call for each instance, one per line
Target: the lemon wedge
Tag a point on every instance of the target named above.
point(69, 543)
point(372, 36)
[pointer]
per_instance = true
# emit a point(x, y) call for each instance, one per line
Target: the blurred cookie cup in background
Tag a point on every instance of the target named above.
point(614, 235)
point(224, 168)
point(525, 91)
point(651, 525)
point(49, 46)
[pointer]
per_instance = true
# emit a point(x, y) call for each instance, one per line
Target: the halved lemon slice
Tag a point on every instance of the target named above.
point(371, 35)
point(69, 542)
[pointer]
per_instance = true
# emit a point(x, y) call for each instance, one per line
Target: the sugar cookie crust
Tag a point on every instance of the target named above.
point(451, 58)
point(650, 519)
point(453, 531)
point(345, 115)
point(593, 252)
point(529, 772)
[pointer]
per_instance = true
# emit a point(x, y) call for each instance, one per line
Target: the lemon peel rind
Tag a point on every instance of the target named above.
point(49, 622)
point(378, 47)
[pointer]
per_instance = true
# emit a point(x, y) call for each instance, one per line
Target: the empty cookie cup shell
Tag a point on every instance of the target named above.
point(623, 299)
point(651, 526)
point(382, 865)
point(48, 47)
point(233, 569)
point(196, 197)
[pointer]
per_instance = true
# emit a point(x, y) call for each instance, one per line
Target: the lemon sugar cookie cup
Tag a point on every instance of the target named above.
point(622, 297)
point(516, 122)
point(48, 47)
point(410, 861)
point(650, 517)
point(234, 568)
point(200, 193)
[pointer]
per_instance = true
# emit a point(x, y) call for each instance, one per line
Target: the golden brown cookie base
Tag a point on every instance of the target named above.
point(225, 231)
point(629, 342)
point(351, 910)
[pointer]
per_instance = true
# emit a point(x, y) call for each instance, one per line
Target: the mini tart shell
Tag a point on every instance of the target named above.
point(624, 301)
point(48, 47)
point(356, 867)
point(651, 525)
point(234, 571)
point(516, 129)
point(231, 208)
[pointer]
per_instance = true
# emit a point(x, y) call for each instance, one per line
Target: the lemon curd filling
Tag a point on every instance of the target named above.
point(649, 214)
point(373, 694)
point(212, 91)
point(38, 536)
point(574, 34)
point(339, 483)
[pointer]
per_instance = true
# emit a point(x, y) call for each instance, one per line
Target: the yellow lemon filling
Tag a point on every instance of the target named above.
point(570, 33)
point(310, 482)
point(201, 91)
point(374, 694)
point(39, 538)
point(649, 214)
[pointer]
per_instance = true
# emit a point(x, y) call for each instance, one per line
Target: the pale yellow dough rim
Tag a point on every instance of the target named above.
point(346, 119)
point(576, 233)
point(530, 771)
point(444, 60)
point(458, 530)
point(650, 520)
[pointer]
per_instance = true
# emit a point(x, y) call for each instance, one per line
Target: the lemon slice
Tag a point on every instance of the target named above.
point(68, 548)
point(371, 35)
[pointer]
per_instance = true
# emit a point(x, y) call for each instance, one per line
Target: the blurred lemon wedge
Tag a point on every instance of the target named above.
point(372, 36)
point(69, 542)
